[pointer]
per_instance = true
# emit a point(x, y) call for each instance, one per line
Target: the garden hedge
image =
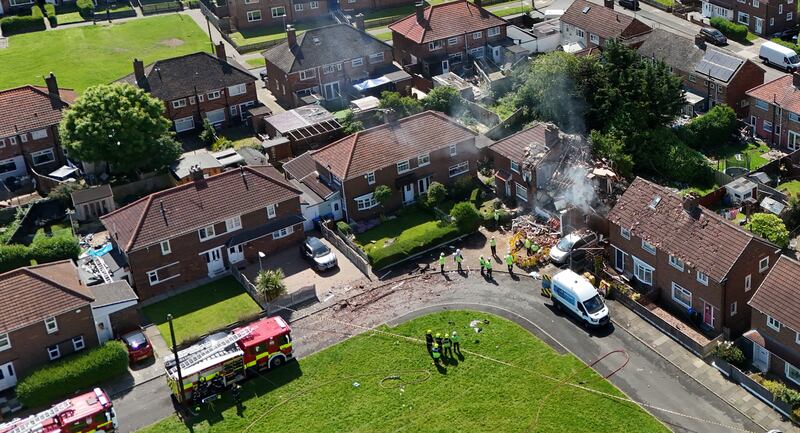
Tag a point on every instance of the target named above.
point(49, 384)
point(50, 12)
point(85, 8)
point(730, 29)
point(405, 247)
point(44, 250)
point(36, 11)
point(21, 24)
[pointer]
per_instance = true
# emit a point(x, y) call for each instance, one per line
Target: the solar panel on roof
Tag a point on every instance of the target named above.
point(718, 65)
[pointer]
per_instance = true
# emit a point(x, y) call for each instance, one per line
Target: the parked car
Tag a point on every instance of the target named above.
point(630, 4)
point(139, 347)
point(778, 56)
point(561, 251)
point(319, 254)
point(713, 36)
point(575, 294)
point(263, 75)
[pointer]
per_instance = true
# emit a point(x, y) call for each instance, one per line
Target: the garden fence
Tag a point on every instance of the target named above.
point(353, 253)
point(249, 287)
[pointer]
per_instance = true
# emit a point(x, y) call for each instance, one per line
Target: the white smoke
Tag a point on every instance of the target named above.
point(580, 192)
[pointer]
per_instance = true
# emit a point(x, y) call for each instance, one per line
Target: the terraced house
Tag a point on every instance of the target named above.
point(775, 111)
point(586, 25)
point(198, 87)
point(200, 229)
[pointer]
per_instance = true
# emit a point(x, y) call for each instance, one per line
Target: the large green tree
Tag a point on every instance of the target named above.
point(121, 125)
point(769, 227)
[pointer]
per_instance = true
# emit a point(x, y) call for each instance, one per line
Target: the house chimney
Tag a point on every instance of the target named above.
point(420, 12)
point(291, 35)
point(700, 41)
point(220, 50)
point(138, 70)
point(360, 22)
point(608, 3)
point(691, 205)
point(796, 80)
point(52, 85)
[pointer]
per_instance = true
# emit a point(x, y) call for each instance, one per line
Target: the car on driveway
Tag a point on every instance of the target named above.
point(571, 244)
point(318, 254)
point(630, 4)
point(139, 347)
point(713, 36)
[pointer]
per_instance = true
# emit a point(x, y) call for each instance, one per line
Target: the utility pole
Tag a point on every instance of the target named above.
point(177, 359)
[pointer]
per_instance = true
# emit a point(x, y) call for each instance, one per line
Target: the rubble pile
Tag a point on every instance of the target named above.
point(543, 235)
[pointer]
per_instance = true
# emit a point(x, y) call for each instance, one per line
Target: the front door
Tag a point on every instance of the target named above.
point(760, 357)
point(408, 193)
point(445, 66)
point(423, 184)
point(759, 25)
point(508, 188)
point(496, 54)
point(104, 331)
point(619, 260)
point(214, 261)
point(708, 314)
point(236, 253)
point(8, 377)
point(332, 90)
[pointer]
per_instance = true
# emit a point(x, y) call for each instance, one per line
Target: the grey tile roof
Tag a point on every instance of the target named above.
point(323, 46)
point(112, 293)
point(91, 194)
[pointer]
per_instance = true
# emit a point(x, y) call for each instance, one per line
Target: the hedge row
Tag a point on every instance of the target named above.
point(166, 6)
point(50, 12)
point(44, 250)
point(21, 24)
point(83, 371)
point(85, 8)
point(409, 245)
point(730, 29)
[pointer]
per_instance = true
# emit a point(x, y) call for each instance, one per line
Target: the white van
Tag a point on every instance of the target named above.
point(778, 56)
point(577, 295)
point(550, 14)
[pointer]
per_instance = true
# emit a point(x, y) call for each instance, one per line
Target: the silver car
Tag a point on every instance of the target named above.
point(319, 254)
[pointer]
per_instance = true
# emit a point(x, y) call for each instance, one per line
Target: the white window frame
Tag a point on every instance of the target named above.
point(518, 189)
point(298, 7)
point(12, 141)
point(271, 211)
point(493, 31)
point(424, 160)
point(278, 8)
point(682, 291)
point(579, 33)
point(179, 103)
point(403, 167)
point(233, 224)
point(734, 308)
point(477, 35)
point(366, 202)
point(746, 20)
point(376, 58)
point(5, 342)
point(676, 262)
point(206, 233)
point(780, 8)
point(453, 150)
point(458, 169)
point(249, 2)
point(767, 126)
point(313, 4)
point(773, 323)
point(756, 3)
point(153, 278)
point(593, 38)
point(49, 151)
point(308, 74)
point(789, 16)
point(23, 137)
point(641, 270)
point(328, 69)
point(796, 338)
point(39, 134)
point(625, 233)
point(763, 264)
point(370, 178)
point(702, 278)
point(647, 246)
point(192, 100)
point(452, 41)
point(358, 61)
point(216, 94)
point(165, 247)
point(435, 45)
point(237, 89)
point(515, 167)
point(763, 105)
point(78, 343)
point(282, 233)
point(51, 325)
point(792, 368)
point(748, 282)
point(53, 352)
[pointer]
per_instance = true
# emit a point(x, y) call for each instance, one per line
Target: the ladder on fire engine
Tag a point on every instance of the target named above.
point(34, 422)
point(215, 347)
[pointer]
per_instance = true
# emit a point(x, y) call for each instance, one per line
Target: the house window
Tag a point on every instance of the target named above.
point(734, 307)
point(452, 41)
point(366, 201)
point(692, 78)
point(357, 62)
point(234, 110)
point(780, 8)
point(745, 18)
point(403, 166)
point(454, 57)
point(249, 2)
point(702, 278)
point(477, 35)
point(579, 33)
point(253, 16)
point(792, 373)
point(748, 282)
point(376, 58)
point(370, 178)
point(647, 246)
point(214, 95)
point(763, 264)
point(51, 325)
point(192, 100)
point(756, 3)
point(594, 38)
point(298, 7)
point(767, 126)
point(7, 166)
point(328, 69)
point(179, 103)
point(773, 323)
point(271, 211)
point(78, 343)
point(458, 169)
point(794, 117)
point(237, 89)
point(789, 16)
point(676, 262)
point(165, 248)
point(278, 12)
point(5, 342)
point(642, 271)
point(762, 105)
point(514, 167)
point(39, 134)
point(521, 191)
point(233, 224)
point(494, 31)
point(453, 150)
point(314, 5)
point(43, 156)
point(435, 45)
point(681, 295)
point(152, 277)
point(307, 74)
point(206, 233)
point(2, 142)
point(20, 2)
point(423, 160)
point(772, 21)
point(53, 352)
point(796, 339)
point(625, 233)
point(282, 233)
point(12, 141)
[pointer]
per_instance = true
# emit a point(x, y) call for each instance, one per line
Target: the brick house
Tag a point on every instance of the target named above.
point(591, 25)
point(250, 14)
point(772, 342)
point(406, 155)
point(445, 37)
point(198, 230)
point(693, 257)
point(197, 86)
point(525, 160)
point(29, 128)
point(762, 17)
point(775, 111)
point(716, 75)
point(15, 6)
point(325, 61)
point(370, 5)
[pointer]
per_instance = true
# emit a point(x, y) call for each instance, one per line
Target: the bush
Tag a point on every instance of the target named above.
point(221, 143)
point(712, 130)
point(269, 283)
point(442, 98)
point(50, 12)
point(436, 194)
point(20, 24)
point(729, 353)
point(344, 228)
point(466, 216)
point(46, 250)
point(461, 188)
point(786, 44)
point(194, 4)
point(730, 29)
point(36, 11)
point(85, 8)
point(13, 257)
point(404, 247)
point(769, 227)
point(475, 196)
point(67, 376)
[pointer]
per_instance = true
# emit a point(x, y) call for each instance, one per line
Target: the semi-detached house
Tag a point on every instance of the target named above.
point(762, 17)
point(775, 111)
point(693, 257)
point(200, 229)
point(587, 25)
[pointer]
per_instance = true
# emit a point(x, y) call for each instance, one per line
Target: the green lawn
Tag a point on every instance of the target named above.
point(383, 35)
point(746, 152)
point(410, 223)
point(203, 309)
point(512, 11)
point(380, 383)
point(257, 62)
point(68, 14)
point(271, 33)
point(791, 188)
point(56, 231)
point(84, 56)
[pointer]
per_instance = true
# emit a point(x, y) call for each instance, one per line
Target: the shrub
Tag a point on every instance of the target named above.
point(20, 24)
point(406, 246)
point(786, 44)
point(85, 8)
point(769, 227)
point(712, 130)
point(437, 193)
point(475, 196)
point(36, 11)
point(726, 351)
point(52, 249)
point(461, 188)
point(13, 256)
point(269, 283)
point(63, 192)
point(382, 194)
point(50, 12)
point(442, 98)
point(730, 29)
point(221, 143)
point(466, 216)
point(194, 4)
point(81, 371)
point(344, 228)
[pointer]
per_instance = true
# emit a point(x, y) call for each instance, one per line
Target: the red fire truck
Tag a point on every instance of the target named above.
point(89, 412)
point(218, 361)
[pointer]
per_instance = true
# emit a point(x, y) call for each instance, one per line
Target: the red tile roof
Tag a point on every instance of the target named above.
point(779, 294)
point(780, 90)
point(31, 294)
point(446, 20)
point(197, 204)
point(602, 21)
point(535, 139)
point(706, 241)
point(387, 144)
point(28, 108)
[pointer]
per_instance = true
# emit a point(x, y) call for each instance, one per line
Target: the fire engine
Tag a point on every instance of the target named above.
point(89, 412)
point(218, 361)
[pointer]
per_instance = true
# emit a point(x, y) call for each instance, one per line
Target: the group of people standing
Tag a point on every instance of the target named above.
point(439, 346)
point(485, 264)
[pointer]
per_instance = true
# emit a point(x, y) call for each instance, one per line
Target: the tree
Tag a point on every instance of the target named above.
point(121, 125)
point(63, 192)
point(403, 106)
point(611, 146)
point(350, 125)
point(442, 98)
point(437, 193)
point(208, 135)
point(712, 130)
point(269, 283)
point(769, 227)
point(466, 215)
point(382, 194)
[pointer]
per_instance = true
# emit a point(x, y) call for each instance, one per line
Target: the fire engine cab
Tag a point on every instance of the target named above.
point(216, 362)
point(90, 412)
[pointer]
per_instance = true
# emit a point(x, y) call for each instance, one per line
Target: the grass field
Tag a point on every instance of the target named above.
point(56, 231)
point(409, 224)
point(203, 309)
point(272, 33)
point(349, 388)
point(512, 11)
point(257, 62)
point(84, 56)
point(384, 35)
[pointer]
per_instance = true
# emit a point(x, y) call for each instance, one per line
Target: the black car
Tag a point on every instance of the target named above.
point(630, 4)
point(713, 35)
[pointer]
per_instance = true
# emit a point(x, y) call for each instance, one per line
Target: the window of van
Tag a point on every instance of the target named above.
point(593, 304)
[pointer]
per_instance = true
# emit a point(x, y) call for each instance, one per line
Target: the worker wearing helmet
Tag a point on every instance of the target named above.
point(441, 262)
point(438, 339)
point(528, 245)
point(436, 353)
point(493, 246)
point(429, 339)
point(510, 262)
point(448, 346)
point(458, 258)
point(483, 265)
point(489, 268)
point(456, 339)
